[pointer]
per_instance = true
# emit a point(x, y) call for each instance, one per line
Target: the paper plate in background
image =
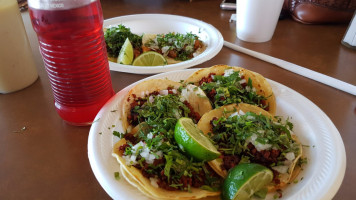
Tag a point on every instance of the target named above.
point(162, 24)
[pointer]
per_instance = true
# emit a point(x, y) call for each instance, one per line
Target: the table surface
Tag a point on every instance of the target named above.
point(49, 160)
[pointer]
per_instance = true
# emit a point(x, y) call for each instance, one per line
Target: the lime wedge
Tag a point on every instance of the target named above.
point(244, 180)
point(126, 53)
point(192, 141)
point(150, 58)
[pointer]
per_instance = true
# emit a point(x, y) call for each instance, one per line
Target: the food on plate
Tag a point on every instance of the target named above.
point(192, 141)
point(126, 53)
point(180, 142)
point(174, 47)
point(150, 58)
point(246, 133)
point(226, 85)
point(115, 38)
point(184, 97)
point(169, 174)
point(149, 157)
point(246, 180)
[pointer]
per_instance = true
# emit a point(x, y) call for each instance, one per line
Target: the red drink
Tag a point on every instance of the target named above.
point(73, 49)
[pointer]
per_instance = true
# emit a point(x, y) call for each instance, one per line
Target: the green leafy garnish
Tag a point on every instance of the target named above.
point(118, 134)
point(116, 36)
point(233, 134)
point(182, 44)
point(228, 89)
point(117, 175)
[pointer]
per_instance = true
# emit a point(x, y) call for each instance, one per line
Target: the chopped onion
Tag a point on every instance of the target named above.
point(228, 72)
point(149, 135)
point(165, 49)
point(154, 182)
point(281, 169)
point(290, 156)
point(287, 162)
point(258, 146)
point(248, 88)
point(261, 147)
point(151, 99)
point(144, 152)
point(163, 92)
point(190, 90)
point(234, 114)
point(250, 117)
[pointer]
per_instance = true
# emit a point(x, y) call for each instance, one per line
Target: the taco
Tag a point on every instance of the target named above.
point(247, 133)
point(175, 47)
point(149, 157)
point(169, 174)
point(226, 85)
point(186, 97)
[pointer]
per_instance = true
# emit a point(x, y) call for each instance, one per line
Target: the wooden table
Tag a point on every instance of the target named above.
point(42, 157)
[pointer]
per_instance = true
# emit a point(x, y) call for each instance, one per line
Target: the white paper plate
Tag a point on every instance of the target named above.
point(161, 24)
point(321, 177)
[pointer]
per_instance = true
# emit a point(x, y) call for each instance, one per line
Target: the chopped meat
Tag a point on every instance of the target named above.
point(172, 53)
point(145, 49)
point(198, 179)
point(156, 162)
point(275, 177)
point(133, 117)
point(122, 148)
point(194, 115)
point(230, 161)
point(197, 44)
point(207, 79)
point(170, 90)
point(185, 180)
point(144, 166)
point(264, 157)
point(136, 52)
point(163, 183)
point(211, 95)
point(131, 138)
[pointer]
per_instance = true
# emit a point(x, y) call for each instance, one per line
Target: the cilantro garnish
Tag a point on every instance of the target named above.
point(182, 44)
point(224, 90)
point(233, 135)
point(117, 175)
point(116, 36)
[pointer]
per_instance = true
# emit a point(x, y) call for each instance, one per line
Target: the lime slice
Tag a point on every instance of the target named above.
point(244, 180)
point(126, 53)
point(150, 58)
point(191, 140)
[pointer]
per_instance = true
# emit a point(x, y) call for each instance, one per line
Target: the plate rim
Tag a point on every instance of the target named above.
point(102, 178)
point(172, 67)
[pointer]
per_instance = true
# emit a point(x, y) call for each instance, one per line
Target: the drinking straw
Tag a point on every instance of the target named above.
point(316, 76)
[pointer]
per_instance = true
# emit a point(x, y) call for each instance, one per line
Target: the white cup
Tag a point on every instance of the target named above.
point(256, 20)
